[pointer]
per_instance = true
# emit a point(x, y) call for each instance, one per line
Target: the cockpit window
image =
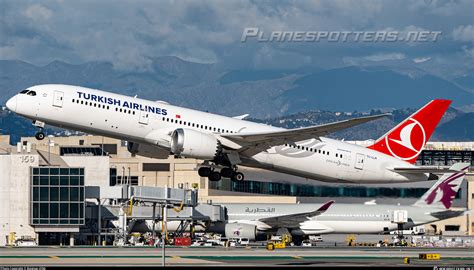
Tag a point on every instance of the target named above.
point(31, 93)
point(24, 91)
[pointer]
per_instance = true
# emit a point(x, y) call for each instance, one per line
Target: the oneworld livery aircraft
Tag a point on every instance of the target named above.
point(255, 220)
point(156, 129)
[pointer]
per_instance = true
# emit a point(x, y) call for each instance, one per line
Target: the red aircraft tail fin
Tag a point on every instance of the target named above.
point(407, 139)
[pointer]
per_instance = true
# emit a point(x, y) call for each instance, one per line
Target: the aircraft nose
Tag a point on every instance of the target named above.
point(11, 103)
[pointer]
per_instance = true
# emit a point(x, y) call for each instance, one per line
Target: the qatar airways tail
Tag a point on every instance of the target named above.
point(156, 129)
point(254, 220)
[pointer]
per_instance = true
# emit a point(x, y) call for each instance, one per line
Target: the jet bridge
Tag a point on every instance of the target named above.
point(144, 209)
point(166, 195)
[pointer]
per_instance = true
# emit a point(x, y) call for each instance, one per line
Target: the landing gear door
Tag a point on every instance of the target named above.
point(359, 162)
point(58, 99)
point(143, 118)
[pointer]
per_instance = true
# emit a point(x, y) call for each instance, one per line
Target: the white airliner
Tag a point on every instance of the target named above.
point(156, 128)
point(247, 220)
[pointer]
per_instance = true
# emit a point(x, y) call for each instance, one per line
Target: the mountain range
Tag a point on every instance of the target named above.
point(287, 97)
point(261, 93)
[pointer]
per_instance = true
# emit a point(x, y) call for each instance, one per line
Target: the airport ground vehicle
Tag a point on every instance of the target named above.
point(417, 230)
point(196, 243)
point(26, 242)
point(244, 241)
point(241, 241)
point(316, 238)
point(306, 243)
point(223, 240)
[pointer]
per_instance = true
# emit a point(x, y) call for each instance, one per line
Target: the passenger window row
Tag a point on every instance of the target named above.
point(101, 106)
point(189, 124)
point(309, 149)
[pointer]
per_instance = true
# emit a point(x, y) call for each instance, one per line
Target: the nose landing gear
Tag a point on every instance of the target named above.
point(40, 134)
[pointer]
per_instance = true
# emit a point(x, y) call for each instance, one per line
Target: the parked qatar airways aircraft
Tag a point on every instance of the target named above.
point(251, 220)
point(156, 128)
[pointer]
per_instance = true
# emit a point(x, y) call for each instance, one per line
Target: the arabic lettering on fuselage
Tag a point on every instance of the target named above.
point(120, 103)
point(260, 210)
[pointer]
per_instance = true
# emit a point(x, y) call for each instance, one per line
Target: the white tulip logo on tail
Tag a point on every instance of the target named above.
point(409, 142)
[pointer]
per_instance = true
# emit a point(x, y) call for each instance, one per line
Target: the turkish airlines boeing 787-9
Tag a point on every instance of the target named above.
point(156, 129)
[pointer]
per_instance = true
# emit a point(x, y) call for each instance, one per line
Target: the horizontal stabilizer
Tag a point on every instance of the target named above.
point(434, 170)
point(449, 214)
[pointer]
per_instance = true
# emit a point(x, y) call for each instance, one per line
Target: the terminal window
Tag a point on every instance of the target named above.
point(57, 196)
point(158, 167)
point(110, 148)
point(116, 180)
point(452, 228)
point(81, 151)
point(286, 189)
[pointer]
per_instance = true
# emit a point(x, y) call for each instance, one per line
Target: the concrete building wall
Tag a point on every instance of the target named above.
point(5, 139)
point(14, 195)
point(125, 163)
point(462, 222)
point(96, 169)
point(470, 203)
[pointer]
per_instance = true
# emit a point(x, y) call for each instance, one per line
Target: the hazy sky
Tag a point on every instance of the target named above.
point(128, 33)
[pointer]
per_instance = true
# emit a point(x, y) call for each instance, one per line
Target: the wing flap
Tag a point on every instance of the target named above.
point(433, 170)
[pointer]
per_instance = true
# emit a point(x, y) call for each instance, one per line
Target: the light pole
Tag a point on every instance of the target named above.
point(164, 229)
point(123, 175)
point(99, 223)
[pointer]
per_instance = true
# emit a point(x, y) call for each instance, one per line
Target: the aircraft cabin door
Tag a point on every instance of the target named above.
point(143, 118)
point(58, 99)
point(359, 162)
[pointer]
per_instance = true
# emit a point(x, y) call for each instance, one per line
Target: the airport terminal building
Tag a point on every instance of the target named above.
point(51, 190)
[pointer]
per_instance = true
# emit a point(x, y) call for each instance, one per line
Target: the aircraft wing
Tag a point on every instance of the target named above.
point(294, 220)
point(263, 140)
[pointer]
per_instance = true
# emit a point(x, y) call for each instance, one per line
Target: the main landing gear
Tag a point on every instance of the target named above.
point(214, 175)
point(40, 134)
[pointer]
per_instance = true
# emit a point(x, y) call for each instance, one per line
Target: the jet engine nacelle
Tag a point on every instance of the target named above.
point(194, 144)
point(240, 230)
point(146, 150)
